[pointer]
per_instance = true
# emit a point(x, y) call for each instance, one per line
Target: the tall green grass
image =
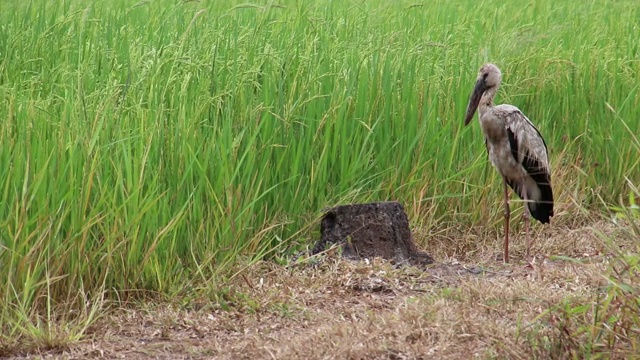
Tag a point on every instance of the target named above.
point(143, 146)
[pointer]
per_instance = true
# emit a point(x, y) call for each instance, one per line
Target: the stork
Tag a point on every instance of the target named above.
point(516, 149)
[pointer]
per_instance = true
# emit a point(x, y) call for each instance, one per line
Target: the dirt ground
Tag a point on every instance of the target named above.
point(339, 309)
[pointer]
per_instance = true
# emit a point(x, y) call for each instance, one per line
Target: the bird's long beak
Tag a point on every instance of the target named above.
point(476, 95)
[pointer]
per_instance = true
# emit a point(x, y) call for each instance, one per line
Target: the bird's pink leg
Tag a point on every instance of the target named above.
point(526, 215)
point(507, 215)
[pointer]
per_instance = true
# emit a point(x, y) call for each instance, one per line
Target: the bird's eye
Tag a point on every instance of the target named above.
point(485, 76)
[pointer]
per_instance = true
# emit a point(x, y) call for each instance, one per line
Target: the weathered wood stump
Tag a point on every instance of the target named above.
point(378, 229)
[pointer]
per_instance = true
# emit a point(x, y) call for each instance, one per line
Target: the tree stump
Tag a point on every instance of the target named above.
point(369, 230)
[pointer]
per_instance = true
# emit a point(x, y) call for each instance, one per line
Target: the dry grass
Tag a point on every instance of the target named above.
point(476, 307)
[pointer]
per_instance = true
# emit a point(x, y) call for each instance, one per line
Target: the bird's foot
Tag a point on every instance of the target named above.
point(531, 263)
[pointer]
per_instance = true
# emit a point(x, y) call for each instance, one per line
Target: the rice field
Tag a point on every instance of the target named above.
point(149, 149)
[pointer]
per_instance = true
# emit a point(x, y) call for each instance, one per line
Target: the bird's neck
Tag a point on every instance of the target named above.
point(486, 101)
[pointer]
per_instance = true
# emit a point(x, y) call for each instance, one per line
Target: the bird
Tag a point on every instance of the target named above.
point(516, 149)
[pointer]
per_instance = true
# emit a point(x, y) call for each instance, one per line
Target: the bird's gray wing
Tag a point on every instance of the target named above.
point(529, 143)
point(530, 150)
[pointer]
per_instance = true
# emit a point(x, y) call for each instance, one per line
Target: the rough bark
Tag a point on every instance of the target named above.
point(379, 229)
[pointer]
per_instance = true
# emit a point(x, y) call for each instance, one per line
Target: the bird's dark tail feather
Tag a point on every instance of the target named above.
point(542, 210)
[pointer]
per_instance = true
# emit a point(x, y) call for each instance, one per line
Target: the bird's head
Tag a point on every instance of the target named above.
point(489, 77)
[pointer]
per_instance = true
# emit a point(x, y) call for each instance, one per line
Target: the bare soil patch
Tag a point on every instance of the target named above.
point(340, 309)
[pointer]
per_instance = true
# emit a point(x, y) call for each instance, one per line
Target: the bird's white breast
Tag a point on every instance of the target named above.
point(498, 146)
point(502, 159)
